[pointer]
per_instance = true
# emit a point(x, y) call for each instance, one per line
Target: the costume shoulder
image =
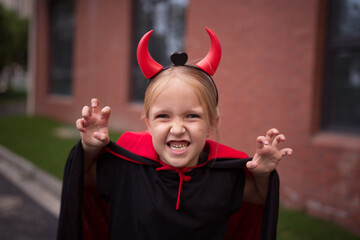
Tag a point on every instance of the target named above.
point(224, 156)
point(220, 151)
point(135, 147)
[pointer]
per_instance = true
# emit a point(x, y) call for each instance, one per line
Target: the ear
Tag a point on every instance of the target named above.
point(216, 122)
point(214, 126)
point(147, 124)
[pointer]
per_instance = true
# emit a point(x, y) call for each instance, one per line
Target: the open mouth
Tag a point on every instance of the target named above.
point(178, 146)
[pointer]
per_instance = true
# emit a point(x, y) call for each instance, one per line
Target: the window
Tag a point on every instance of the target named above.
point(61, 14)
point(341, 100)
point(166, 18)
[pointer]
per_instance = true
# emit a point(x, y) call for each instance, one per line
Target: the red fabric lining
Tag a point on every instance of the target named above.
point(95, 215)
point(139, 143)
point(245, 224)
point(126, 158)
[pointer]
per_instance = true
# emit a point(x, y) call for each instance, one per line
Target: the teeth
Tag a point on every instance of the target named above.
point(178, 147)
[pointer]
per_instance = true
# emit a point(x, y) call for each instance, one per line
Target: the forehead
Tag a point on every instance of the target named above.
point(177, 93)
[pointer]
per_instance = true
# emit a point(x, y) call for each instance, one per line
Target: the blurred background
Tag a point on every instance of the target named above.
point(289, 64)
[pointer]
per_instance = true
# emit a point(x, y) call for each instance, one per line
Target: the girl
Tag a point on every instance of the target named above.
point(170, 182)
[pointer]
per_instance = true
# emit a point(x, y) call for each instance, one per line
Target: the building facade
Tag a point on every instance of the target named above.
point(294, 65)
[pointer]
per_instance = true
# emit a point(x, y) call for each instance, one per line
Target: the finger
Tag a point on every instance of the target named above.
point(95, 105)
point(286, 152)
point(271, 134)
point(80, 125)
point(279, 138)
point(105, 113)
point(261, 141)
point(251, 164)
point(86, 113)
point(102, 137)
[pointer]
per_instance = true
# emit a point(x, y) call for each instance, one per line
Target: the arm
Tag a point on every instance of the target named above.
point(93, 127)
point(265, 160)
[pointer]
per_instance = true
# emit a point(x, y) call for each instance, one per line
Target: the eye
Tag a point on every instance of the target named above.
point(192, 115)
point(162, 116)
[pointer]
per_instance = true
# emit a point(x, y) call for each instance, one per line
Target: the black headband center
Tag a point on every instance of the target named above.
point(179, 59)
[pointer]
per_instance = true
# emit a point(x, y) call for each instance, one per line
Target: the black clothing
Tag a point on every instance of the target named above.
point(151, 200)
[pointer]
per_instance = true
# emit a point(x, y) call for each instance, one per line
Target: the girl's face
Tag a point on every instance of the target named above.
point(178, 126)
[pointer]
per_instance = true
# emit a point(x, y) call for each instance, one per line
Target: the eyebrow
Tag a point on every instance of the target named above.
point(198, 110)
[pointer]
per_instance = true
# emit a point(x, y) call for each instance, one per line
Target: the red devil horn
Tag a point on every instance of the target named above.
point(211, 61)
point(147, 64)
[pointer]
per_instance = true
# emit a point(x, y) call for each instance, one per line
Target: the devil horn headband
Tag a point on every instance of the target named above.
point(150, 67)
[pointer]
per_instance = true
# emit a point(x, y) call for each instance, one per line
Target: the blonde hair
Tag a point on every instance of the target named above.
point(195, 79)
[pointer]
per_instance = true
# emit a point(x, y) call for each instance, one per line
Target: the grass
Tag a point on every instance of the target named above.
point(297, 225)
point(37, 139)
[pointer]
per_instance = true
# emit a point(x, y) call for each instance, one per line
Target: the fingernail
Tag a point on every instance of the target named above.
point(266, 142)
point(93, 104)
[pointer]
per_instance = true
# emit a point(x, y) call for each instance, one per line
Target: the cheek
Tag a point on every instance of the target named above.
point(158, 131)
point(200, 130)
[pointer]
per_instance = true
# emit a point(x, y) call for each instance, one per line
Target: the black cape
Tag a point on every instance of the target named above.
point(183, 204)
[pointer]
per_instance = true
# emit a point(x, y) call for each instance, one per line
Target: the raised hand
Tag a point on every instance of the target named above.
point(93, 126)
point(268, 155)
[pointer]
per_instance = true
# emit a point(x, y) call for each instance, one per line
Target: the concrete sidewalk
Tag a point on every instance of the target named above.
point(29, 199)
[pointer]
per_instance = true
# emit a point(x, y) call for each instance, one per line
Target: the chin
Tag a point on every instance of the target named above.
point(177, 163)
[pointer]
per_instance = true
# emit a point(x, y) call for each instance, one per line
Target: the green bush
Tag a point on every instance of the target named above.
point(13, 38)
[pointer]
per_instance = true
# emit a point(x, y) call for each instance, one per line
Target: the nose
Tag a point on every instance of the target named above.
point(177, 128)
